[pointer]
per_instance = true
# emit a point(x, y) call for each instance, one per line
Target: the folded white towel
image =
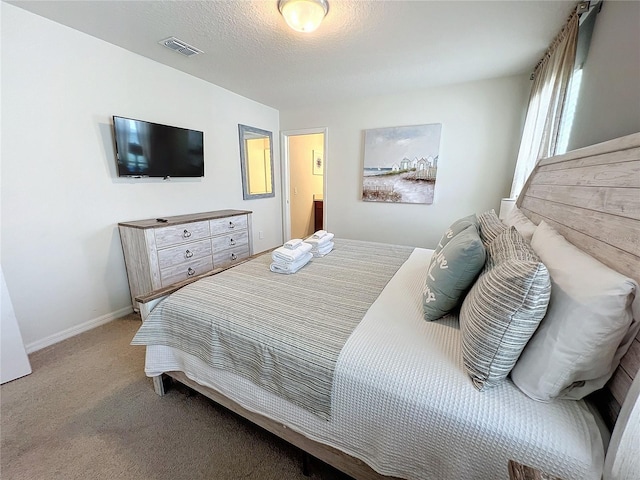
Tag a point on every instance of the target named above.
point(288, 255)
point(323, 250)
point(326, 247)
point(293, 243)
point(317, 242)
point(319, 234)
point(290, 267)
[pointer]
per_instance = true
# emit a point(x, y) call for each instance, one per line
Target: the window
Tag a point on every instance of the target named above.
point(569, 113)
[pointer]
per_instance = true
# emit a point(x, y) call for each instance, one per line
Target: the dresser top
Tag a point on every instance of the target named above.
point(179, 219)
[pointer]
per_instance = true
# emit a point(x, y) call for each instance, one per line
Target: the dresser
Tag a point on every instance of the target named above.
point(159, 253)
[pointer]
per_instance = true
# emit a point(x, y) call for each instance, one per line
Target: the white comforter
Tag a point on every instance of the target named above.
point(403, 403)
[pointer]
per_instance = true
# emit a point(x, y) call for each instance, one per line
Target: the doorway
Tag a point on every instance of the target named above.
point(304, 170)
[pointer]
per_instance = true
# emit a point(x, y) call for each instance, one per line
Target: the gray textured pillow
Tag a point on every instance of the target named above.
point(452, 270)
point(455, 228)
point(503, 309)
point(490, 226)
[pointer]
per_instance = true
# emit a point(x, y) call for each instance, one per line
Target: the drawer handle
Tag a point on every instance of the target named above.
point(186, 233)
point(188, 254)
point(234, 256)
point(232, 225)
point(232, 241)
point(191, 272)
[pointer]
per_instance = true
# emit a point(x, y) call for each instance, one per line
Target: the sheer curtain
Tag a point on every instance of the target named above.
point(546, 102)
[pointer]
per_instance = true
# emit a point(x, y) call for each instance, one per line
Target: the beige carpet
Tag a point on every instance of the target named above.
point(88, 412)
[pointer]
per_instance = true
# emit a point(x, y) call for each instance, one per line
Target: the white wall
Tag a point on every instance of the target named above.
point(61, 198)
point(481, 128)
point(609, 100)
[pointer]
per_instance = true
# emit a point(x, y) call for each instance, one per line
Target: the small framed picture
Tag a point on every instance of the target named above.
point(318, 162)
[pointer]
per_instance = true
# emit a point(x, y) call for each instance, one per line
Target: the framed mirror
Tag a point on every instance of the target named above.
point(256, 160)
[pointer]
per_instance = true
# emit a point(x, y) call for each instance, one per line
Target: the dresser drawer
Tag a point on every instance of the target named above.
point(228, 224)
point(176, 234)
point(237, 239)
point(230, 256)
point(187, 252)
point(184, 271)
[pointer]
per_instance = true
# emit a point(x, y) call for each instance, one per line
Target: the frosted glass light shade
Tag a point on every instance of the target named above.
point(303, 15)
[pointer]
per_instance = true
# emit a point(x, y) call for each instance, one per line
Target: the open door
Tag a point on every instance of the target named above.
point(304, 167)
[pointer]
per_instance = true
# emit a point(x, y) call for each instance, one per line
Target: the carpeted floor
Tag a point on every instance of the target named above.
point(88, 412)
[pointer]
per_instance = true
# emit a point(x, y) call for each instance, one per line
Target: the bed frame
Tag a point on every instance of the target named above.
point(592, 197)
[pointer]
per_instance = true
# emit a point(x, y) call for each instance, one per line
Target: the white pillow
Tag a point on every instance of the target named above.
point(515, 218)
point(588, 327)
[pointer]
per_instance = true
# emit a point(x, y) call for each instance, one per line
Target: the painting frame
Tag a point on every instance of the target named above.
point(318, 162)
point(400, 164)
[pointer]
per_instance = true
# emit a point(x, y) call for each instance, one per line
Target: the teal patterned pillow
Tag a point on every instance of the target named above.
point(451, 271)
point(455, 228)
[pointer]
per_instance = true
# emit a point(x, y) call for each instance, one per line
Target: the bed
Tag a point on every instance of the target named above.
point(380, 392)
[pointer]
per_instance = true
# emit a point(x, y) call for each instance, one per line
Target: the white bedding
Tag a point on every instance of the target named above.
point(403, 403)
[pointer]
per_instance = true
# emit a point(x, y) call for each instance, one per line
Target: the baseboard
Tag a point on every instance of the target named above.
point(73, 331)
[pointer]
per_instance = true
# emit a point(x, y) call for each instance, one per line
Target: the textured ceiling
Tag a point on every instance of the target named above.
point(362, 48)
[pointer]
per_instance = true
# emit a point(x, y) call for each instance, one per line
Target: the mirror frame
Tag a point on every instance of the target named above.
point(244, 132)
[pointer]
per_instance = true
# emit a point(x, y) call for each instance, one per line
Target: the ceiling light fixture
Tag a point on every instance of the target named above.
point(303, 15)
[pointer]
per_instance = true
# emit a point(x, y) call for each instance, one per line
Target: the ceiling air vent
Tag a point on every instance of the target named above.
point(179, 46)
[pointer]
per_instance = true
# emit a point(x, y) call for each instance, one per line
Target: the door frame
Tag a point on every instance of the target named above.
point(286, 177)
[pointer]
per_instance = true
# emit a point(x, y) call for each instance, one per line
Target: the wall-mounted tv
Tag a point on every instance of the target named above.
point(145, 149)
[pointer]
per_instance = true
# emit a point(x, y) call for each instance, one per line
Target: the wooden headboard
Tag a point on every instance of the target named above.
point(592, 197)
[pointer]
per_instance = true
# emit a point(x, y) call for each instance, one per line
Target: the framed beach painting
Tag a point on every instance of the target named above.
point(401, 163)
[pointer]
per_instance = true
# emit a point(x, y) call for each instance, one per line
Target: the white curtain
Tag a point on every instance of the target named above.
point(546, 102)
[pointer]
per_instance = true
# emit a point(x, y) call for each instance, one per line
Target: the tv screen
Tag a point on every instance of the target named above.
point(145, 149)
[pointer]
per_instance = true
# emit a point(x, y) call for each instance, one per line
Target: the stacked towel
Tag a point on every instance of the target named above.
point(293, 243)
point(320, 242)
point(290, 267)
point(322, 250)
point(286, 255)
point(291, 257)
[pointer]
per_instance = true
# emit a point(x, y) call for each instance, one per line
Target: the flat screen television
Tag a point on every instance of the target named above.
point(145, 149)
